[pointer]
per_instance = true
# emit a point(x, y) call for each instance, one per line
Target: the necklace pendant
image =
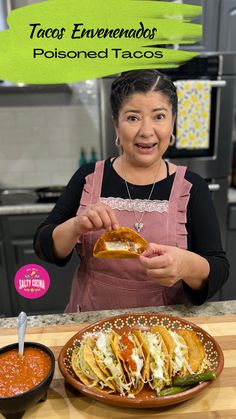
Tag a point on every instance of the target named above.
point(138, 226)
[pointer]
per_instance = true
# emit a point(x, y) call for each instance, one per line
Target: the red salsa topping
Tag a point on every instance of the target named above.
point(126, 350)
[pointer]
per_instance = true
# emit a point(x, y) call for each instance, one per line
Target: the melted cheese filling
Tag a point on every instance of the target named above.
point(122, 245)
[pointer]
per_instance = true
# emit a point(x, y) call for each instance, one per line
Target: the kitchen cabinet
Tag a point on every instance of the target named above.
point(219, 25)
point(209, 21)
point(5, 300)
point(18, 232)
point(228, 292)
point(227, 26)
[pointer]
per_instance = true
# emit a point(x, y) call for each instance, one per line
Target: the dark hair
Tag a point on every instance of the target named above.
point(141, 81)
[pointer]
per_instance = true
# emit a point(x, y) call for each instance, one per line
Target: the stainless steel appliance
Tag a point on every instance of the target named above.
point(212, 163)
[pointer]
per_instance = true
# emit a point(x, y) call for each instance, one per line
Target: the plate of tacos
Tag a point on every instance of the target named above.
point(141, 360)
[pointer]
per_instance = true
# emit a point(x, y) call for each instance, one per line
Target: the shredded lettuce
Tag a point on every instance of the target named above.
point(157, 361)
point(105, 355)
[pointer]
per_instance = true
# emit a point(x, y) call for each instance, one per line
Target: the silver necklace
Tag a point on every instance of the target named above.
point(138, 225)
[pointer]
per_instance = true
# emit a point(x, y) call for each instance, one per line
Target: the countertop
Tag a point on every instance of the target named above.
point(217, 400)
point(218, 308)
point(26, 209)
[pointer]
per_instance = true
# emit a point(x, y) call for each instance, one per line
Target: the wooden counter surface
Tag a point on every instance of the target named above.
point(217, 401)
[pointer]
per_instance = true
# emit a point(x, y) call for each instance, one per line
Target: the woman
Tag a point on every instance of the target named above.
point(168, 205)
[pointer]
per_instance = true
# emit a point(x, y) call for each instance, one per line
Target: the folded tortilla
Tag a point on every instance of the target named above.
point(120, 243)
point(196, 351)
point(129, 351)
point(109, 362)
point(86, 377)
point(84, 365)
point(169, 343)
point(157, 360)
point(177, 351)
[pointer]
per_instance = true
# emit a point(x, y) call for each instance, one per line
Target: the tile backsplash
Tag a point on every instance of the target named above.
point(41, 145)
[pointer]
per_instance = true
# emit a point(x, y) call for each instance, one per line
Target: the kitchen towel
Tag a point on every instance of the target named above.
point(193, 118)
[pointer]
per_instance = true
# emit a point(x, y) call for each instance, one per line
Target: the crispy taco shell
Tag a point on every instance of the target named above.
point(153, 361)
point(184, 369)
point(169, 343)
point(77, 370)
point(128, 348)
point(196, 351)
point(90, 358)
point(114, 337)
point(109, 365)
point(92, 376)
point(120, 243)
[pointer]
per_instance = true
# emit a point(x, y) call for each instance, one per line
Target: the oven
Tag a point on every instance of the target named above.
point(212, 162)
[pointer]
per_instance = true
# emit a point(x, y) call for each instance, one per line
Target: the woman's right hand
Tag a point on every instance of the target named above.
point(96, 217)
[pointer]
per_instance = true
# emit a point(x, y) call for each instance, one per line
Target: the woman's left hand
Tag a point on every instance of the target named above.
point(169, 264)
point(165, 264)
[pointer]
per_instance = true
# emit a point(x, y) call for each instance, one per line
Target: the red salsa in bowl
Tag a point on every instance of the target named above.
point(24, 381)
point(21, 373)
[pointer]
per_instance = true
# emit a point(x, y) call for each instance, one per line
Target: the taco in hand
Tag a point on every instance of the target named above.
point(120, 243)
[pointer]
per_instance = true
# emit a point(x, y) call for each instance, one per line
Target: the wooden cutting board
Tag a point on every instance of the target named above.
point(217, 401)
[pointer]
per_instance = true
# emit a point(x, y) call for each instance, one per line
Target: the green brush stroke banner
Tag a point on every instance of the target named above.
point(62, 41)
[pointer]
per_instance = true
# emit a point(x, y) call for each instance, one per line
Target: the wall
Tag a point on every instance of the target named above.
point(40, 144)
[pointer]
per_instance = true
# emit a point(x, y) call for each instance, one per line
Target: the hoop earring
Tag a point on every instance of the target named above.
point(172, 139)
point(117, 142)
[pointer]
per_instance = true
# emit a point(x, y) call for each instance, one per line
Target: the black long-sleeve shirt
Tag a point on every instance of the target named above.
point(202, 225)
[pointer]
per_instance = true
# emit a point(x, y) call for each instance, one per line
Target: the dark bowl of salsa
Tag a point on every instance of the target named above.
point(24, 381)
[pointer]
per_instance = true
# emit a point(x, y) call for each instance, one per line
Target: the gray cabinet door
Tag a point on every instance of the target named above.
point(228, 292)
point(5, 300)
point(227, 26)
point(219, 25)
point(209, 19)
point(18, 232)
point(56, 298)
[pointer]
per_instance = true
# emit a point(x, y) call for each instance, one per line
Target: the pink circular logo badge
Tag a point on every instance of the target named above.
point(32, 281)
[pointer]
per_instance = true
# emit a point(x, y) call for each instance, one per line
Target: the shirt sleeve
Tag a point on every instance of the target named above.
point(65, 208)
point(205, 238)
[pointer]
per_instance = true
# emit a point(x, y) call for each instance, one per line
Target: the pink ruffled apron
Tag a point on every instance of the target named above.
point(103, 284)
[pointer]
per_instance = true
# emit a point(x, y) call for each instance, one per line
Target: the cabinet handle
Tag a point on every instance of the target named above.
point(214, 187)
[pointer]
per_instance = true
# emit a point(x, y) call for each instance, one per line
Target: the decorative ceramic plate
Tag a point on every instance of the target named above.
point(123, 323)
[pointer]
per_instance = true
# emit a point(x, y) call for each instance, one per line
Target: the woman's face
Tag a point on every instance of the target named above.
point(144, 126)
